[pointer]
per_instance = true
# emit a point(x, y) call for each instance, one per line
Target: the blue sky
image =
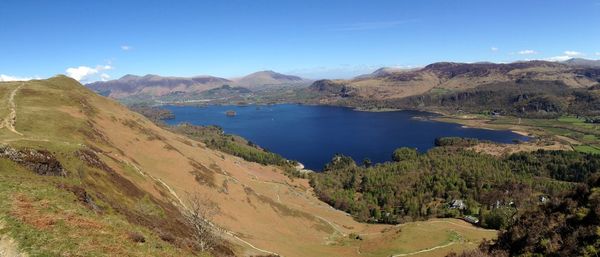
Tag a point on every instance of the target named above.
point(93, 40)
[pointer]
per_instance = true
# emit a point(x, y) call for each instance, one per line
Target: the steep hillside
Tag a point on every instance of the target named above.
point(81, 175)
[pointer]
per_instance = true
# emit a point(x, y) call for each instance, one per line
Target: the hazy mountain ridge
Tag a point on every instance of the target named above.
point(583, 62)
point(268, 78)
point(157, 86)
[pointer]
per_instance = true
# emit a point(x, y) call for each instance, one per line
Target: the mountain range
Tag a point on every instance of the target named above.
point(382, 84)
point(452, 77)
point(157, 86)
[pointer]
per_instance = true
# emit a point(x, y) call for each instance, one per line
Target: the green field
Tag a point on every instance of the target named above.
point(580, 135)
point(428, 238)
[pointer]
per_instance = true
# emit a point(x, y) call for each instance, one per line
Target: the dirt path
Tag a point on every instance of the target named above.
point(439, 246)
point(11, 118)
point(8, 247)
point(425, 250)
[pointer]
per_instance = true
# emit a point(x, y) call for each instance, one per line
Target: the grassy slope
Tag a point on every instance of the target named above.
point(49, 221)
point(261, 209)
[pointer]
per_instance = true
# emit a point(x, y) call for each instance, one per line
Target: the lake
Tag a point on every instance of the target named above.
point(312, 135)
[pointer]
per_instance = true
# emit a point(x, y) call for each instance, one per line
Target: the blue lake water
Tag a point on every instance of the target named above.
point(313, 134)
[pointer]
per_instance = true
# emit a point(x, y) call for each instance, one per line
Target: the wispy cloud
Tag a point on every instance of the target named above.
point(372, 25)
point(597, 53)
point(494, 49)
point(4, 78)
point(573, 53)
point(527, 52)
point(560, 58)
point(104, 77)
point(569, 54)
point(126, 47)
point(85, 73)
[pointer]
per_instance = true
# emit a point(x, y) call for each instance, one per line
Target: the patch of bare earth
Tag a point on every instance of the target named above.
point(8, 246)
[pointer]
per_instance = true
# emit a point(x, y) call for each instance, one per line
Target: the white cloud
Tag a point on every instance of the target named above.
point(85, 73)
point(527, 52)
point(126, 47)
point(573, 53)
point(597, 53)
point(104, 77)
point(560, 58)
point(494, 49)
point(565, 56)
point(4, 78)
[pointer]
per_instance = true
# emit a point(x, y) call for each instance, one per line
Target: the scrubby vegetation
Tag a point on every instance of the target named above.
point(450, 181)
point(456, 141)
point(565, 226)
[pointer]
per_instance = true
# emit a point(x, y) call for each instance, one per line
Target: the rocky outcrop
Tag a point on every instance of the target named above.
point(89, 157)
point(41, 162)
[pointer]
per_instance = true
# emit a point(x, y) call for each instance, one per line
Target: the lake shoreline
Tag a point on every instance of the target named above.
point(318, 132)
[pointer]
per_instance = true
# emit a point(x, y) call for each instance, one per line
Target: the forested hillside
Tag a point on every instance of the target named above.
point(565, 226)
point(450, 181)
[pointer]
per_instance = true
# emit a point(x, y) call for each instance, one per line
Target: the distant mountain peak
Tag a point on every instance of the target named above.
point(129, 77)
point(583, 62)
point(268, 78)
point(266, 71)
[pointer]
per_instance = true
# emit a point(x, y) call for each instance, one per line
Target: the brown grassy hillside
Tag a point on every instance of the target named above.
point(81, 175)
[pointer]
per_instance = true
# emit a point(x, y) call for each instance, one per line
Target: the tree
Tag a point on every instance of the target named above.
point(367, 162)
point(404, 154)
point(199, 216)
